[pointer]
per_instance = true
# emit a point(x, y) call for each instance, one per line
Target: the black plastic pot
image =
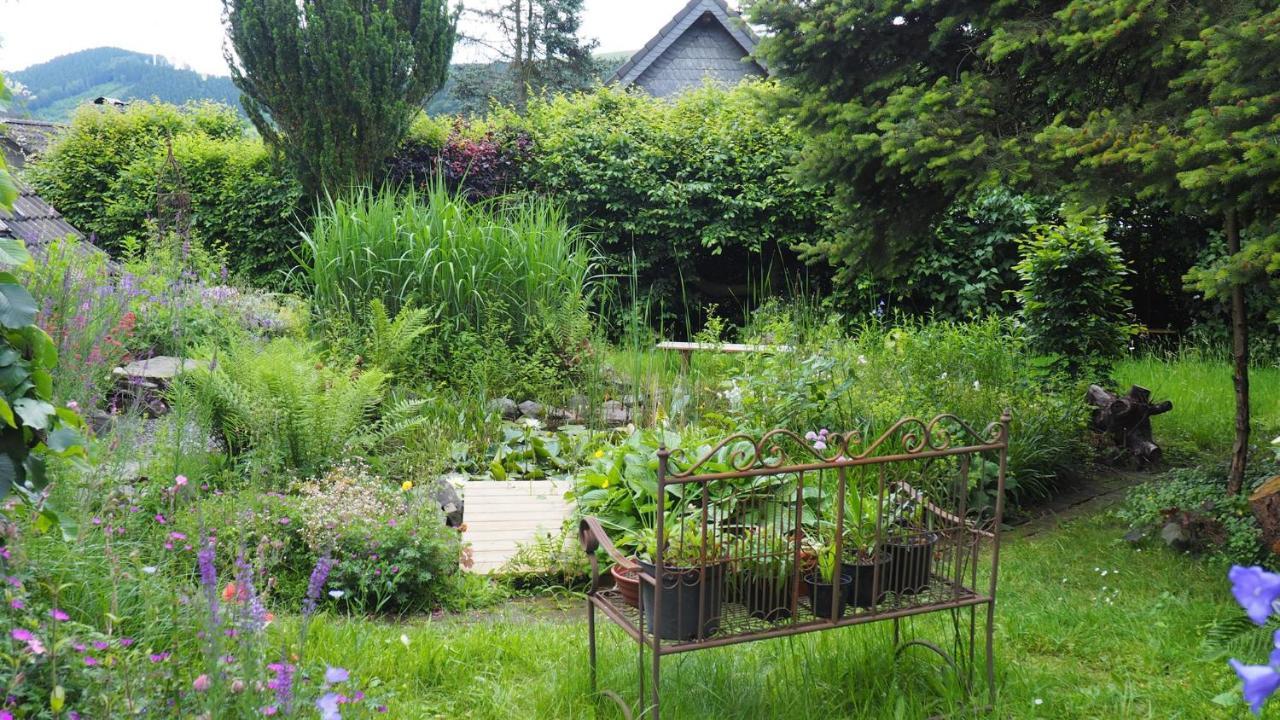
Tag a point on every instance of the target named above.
point(912, 563)
point(683, 590)
point(862, 589)
point(822, 595)
point(768, 599)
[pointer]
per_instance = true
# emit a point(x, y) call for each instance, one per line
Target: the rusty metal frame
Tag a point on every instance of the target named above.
point(954, 550)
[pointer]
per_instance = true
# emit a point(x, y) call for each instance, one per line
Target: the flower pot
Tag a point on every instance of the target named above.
point(822, 595)
point(768, 599)
point(628, 585)
point(862, 588)
point(691, 601)
point(911, 563)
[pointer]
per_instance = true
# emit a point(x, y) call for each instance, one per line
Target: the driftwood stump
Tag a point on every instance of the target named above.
point(1265, 502)
point(1127, 419)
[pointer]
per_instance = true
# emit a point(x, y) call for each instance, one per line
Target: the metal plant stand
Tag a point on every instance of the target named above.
point(744, 525)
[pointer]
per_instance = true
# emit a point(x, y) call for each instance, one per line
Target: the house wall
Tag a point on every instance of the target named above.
point(705, 50)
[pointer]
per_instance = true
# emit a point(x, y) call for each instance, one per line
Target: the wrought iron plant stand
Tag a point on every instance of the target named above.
point(785, 534)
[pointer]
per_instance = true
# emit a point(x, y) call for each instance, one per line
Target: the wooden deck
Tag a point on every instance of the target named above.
point(500, 515)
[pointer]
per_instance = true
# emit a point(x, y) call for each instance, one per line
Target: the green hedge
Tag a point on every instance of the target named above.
point(106, 172)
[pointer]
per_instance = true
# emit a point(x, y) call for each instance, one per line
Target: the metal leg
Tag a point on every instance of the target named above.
point(991, 652)
point(591, 640)
point(897, 632)
point(657, 668)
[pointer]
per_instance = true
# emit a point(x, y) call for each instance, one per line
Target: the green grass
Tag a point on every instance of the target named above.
point(1124, 645)
point(1202, 420)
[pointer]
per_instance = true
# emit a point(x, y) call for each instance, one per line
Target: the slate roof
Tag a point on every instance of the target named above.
point(33, 220)
point(706, 39)
point(23, 139)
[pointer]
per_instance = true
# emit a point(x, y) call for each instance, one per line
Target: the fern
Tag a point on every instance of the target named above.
point(397, 421)
point(1239, 637)
point(391, 340)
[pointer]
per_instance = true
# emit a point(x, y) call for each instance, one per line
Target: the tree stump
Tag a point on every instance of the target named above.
point(1127, 419)
point(1265, 502)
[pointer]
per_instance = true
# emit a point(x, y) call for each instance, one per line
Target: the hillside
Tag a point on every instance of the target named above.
point(52, 90)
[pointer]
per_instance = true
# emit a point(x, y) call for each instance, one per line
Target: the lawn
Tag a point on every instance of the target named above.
point(1072, 642)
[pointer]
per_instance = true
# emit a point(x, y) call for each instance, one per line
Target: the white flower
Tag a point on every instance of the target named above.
point(977, 385)
point(943, 376)
point(862, 360)
point(532, 423)
point(149, 569)
point(336, 594)
point(404, 640)
point(1038, 701)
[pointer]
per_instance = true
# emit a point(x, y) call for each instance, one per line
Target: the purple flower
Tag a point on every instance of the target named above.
point(336, 675)
point(1260, 681)
point(159, 657)
point(282, 683)
point(58, 615)
point(126, 641)
point(328, 706)
point(20, 634)
point(90, 660)
point(1256, 590)
point(18, 604)
point(319, 576)
point(100, 645)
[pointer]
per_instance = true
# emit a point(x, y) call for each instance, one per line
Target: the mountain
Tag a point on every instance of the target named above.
point(54, 89)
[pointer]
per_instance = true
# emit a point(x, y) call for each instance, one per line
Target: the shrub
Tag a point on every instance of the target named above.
point(1073, 298)
point(476, 161)
point(701, 184)
point(392, 549)
point(106, 171)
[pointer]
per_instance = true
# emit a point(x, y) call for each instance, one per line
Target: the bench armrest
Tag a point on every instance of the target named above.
point(593, 537)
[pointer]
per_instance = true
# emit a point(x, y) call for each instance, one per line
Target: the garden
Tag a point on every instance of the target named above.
point(241, 414)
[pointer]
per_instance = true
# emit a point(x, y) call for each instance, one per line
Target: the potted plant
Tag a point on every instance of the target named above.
point(827, 594)
point(625, 580)
point(866, 564)
point(764, 576)
point(691, 590)
point(910, 548)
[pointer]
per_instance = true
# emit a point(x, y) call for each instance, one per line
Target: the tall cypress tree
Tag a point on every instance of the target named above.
point(334, 84)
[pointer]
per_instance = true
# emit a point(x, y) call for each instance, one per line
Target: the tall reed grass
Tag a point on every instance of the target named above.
point(478, 265)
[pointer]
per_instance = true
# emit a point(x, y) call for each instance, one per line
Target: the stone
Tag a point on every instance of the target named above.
point(530, 409)
point(449, 500)
point(614, 413)
point(506, 407)
point(161, 367)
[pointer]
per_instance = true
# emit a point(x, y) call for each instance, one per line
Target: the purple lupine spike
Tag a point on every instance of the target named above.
point(315, 586)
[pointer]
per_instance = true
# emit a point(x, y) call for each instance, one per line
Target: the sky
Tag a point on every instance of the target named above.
point(189, 32)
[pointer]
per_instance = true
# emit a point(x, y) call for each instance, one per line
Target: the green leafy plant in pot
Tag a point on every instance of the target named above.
point(910, 547)
point(764, 573)
point(828, 594)
point(692, 583)
point(866, 564)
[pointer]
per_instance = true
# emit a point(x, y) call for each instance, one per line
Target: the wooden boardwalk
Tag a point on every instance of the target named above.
point(500, 515)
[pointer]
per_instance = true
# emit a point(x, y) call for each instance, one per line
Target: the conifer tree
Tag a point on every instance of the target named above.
point(334, 84)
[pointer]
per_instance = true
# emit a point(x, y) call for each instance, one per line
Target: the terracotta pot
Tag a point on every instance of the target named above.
point(624, 578)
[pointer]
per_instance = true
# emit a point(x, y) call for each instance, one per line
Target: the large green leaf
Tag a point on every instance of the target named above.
point(14, 254)
point(8, 189)
point(65, 440)
point(17, 307)
point(35, 414)
point(6, 414)
point(8, 475)
point(44, 353)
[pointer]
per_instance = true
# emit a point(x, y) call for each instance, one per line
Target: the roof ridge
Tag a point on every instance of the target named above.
point(730, 19)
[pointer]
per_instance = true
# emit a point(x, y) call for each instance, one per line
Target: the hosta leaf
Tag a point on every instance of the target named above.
point(14, 254)
point(35, 414)
point(6, 414)
point(17, 307)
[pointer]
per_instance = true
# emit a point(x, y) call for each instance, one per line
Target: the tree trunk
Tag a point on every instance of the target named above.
point(1240, 356)
point(1127, 419)
point(1265, 502)
point(518, 61)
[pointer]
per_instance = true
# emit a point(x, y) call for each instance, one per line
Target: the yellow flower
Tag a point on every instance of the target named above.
point(599, 454)
point(407, 485)
point(606, 483)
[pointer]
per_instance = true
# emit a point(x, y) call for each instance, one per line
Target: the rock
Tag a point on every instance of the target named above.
point(447, 497)
point(1175, 536)
point(614, 413)
point(161, 367)
point(632, 400)
point(506, 407)
point(99, 422)
point(530, 409)
point(561, 416)
point(1135, 535)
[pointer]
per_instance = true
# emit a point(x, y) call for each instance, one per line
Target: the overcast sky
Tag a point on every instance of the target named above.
point(189, 32)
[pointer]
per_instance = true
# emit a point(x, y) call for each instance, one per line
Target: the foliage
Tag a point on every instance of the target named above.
point(86, 308)
point(474, 160)
point(513, 275)
point(539, 49)
point(333, 86)
point(79, 173)
point(524, 452)
point(281, 408)
point(699, 184)
point(683, 543)
point(31, 429)
point(1073, 298)
point(1193, 497)
point(107, 173)
point(392, 549)
point(8, 188)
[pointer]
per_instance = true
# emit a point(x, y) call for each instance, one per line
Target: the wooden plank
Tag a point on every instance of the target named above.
point(499, 516)
point(722, 347)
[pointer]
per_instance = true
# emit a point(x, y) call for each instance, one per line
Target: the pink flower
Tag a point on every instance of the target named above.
point(58, 615)
point(160, 519)
point(201, 683)
point(180, 481)
point(177, 536)
point(90, 660)
point(21, 634)
point(18, 604)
